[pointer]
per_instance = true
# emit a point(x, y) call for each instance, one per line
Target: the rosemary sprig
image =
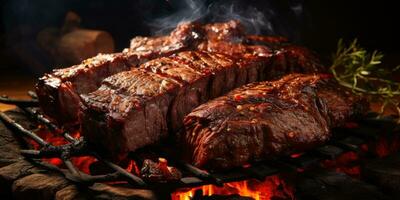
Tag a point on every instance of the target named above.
point(360, 70)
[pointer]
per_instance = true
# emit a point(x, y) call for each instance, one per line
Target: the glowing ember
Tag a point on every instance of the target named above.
point(82, 163)
point(350, 162)
point(48, 136)
point(347, 163)
point(296, 155)
point(132, 167)
point(272, 187)
point(54, 161)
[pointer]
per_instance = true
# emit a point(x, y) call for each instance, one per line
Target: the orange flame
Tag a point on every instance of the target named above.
point(272, 187)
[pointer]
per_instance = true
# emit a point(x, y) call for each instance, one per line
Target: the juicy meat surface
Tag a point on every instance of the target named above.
point(184, 37)
point(135, 108)
point(59, 91)
point(266, 119)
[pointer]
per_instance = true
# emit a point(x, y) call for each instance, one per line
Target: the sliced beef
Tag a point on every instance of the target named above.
point(291, 58)
point(129, 110)
point(184, 37)
point(230, 31)
point(230, 38)
point(188, 35)
point(139, 107)
point(59, 91)
point(265, 119)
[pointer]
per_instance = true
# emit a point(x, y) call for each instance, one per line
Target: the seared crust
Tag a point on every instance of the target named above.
point(59, 91)
point(140, 106)
point(266, 119)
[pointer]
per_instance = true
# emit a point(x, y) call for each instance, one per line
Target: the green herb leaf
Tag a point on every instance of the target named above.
point(356, 68)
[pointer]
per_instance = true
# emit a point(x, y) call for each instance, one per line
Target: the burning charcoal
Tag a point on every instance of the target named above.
point(159, 172)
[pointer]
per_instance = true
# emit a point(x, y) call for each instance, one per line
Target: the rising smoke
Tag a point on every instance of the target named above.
point(268, 17)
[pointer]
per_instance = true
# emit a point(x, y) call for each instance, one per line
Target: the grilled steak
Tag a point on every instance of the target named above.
point(59, 91)
point(184, 37)
point(139, 107)
point(265, 119)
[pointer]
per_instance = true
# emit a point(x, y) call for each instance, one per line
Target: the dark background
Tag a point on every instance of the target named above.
point(317, 25)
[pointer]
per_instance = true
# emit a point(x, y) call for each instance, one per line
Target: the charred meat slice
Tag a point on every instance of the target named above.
point(139, 107)
point(184, 37)
point(266, 119)
point(58, 92)
point(129, 110)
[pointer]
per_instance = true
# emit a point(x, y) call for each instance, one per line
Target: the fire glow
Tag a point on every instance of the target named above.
point(82, 162)
point(270, 188)
point(273, 187)
point(350, 162)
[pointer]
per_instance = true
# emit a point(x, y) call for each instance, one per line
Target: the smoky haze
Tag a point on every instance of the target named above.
point(267, 17)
